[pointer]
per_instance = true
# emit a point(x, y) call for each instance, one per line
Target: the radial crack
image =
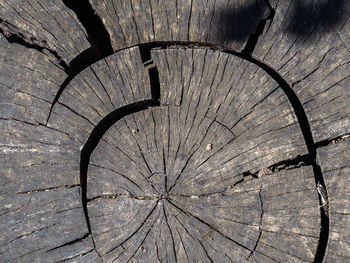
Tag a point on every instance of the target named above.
point(211, 227)
point(295, 102)
point(336, 140)
point(142, 224)
point(70, 242)
point(171, 232)
point(98, 36)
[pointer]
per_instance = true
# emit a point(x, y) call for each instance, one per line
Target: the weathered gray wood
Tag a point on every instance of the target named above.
point(228, 23)
point(98, 90)
point(219, 90)
point(308, 43)
point(29, 81)
point(221, 219)
point(335, 165)
point(39, 193)
point(36, 157)
point(193, 179)
point(47, 24)
point(167, 183)
point(34, 223)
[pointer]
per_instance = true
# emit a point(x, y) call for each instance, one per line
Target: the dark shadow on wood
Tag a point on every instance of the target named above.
point(253, 38)
point(102, 127)
point(326, 15)
point(238, 23)
point(333, 141)
point(98, 37)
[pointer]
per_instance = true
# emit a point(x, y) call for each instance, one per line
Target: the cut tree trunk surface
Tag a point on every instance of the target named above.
point(174, 131)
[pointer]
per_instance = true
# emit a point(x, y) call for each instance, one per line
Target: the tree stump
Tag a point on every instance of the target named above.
point(174, 131)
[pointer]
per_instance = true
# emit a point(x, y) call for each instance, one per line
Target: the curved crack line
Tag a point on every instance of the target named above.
point(102, 127)
point(77, 65)
point(98, 38)
point(286, 88)
point(95, 137)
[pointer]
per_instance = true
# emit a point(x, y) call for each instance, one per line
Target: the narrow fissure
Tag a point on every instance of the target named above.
point(32, 43)
point(260, 228)
point(145, 53)
point(310, 144)
point(70, 242)
point(115, 196)
point(101, 48)
point(294, 163)
point(95, 29)
point(253, 39)
point(49, 189)
point(98, 37)
point(102, 127)
point(302, 120)
point(155, 85)
point(207, 224)
point(333, 141)
point(297, 162)
point(146, 58)
point(77, 65)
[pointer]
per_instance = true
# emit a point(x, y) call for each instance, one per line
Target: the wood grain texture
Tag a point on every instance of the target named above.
point(149, 202)
point(39, 192)
point(168, 184)
point(222, 89)
point(40, 161)
point(335, 165)
point(29, 81)
point(48, 24)
point(35, 223)
point(105, 86)
point(200, 156)
point(223, 22)
point(308, 43)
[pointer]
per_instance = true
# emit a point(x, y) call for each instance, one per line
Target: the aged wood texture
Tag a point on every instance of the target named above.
point(39, 192)
point(145, 204)
point(42, 212)
point(213, 89)
point(335, 164)
point(46, 24)
point(308, 42)
point(168, 184)
point(29, 82)
point(194, 141)
point(105, 86)
point(223, 22)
